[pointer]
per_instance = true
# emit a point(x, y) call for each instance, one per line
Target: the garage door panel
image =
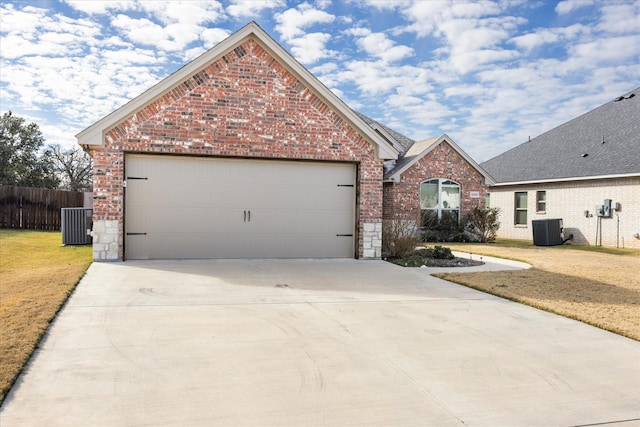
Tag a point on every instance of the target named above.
point(297, 222)
point(195, 220)
point(224, 208)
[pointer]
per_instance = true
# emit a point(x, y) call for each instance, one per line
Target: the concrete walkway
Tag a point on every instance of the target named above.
point(315, 342)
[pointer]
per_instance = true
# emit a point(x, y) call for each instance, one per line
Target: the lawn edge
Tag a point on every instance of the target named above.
point(541, 307)
point(4, 393)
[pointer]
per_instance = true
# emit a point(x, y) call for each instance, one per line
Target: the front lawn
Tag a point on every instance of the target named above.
point(37, 276)
point(596, 285)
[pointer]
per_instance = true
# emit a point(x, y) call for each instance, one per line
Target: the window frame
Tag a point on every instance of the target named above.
point(520, 209)
point(541, 202)
point(440, 209)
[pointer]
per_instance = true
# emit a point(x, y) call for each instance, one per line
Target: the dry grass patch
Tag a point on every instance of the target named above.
point(37, 276)
point(598, 288)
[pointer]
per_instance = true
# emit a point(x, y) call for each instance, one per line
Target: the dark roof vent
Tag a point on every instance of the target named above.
point(585, 155)
point(621, 97)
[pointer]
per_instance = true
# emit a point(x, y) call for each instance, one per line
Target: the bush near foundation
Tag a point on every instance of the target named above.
point(483, 224)
point(400, 235)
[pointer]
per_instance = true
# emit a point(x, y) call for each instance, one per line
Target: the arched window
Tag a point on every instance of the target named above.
point(440, 198)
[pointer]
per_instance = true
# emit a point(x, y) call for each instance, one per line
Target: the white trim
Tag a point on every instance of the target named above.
point(397, 175)
point(94, 134)
point(575, 178)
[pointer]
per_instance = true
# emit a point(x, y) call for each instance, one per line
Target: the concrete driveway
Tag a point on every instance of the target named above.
point(309, 342)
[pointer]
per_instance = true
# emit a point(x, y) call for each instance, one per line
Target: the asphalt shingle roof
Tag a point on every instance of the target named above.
point(576, 148)
point(400, 142)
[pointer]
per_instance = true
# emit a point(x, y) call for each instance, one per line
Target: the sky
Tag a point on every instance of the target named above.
point(490, 74)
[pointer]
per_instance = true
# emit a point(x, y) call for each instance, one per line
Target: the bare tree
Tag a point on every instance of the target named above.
point(73, 166)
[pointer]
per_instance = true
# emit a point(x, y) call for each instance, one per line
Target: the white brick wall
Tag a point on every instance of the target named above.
point(568, 201)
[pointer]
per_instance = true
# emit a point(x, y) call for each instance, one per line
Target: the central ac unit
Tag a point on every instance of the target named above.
point(76, 226)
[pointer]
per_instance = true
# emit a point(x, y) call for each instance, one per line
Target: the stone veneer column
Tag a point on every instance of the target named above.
point(372, 240)
point(105, 240)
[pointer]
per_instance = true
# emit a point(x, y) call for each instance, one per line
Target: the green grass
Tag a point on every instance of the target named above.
point(37, 274)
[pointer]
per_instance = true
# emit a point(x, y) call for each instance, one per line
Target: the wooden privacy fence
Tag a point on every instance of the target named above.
point(35, 208)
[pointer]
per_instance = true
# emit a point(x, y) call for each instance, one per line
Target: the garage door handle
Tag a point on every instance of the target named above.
point(247, 216)
point(344, 235)
point(136, 234)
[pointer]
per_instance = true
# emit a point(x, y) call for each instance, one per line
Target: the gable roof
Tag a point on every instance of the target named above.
point(411, 151)
point(604, 142)
point(421, 148)
point(94, 134)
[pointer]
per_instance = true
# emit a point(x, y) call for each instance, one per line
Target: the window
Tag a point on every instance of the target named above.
point(520, 208)
point(440, 198)
point(541, 201)
point(487, 200)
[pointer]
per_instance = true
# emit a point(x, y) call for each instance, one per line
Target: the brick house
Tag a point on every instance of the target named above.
point(433, 175)
point(243, 153)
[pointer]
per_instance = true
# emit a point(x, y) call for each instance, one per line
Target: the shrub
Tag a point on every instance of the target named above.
point(441, 252)
point(483, 224)
point(445, 229)
point(436, 252)
point(399, 236)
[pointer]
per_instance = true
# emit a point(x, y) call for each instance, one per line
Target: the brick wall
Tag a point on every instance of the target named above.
point(569, 201)
point(442, 162)
point(245, 104)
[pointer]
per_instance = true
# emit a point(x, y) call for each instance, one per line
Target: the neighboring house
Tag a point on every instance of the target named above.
point(571, 172)
point(243, 153)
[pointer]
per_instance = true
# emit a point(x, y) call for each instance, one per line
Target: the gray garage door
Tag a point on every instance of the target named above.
point(187, 207)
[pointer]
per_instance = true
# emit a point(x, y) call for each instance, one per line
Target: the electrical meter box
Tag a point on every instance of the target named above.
point(606, 208)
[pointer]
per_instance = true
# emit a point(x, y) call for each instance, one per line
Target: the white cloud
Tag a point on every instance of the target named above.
point(31, 32)
point(308, 48)
point(465, 62)
point(24, 22)
point(100, 7)
point(381, 5)
point(379, 45)
point(325, 68)
point(544, 36)
point(566, 6)
point(470, 34)
point(169, 25)
point(620, 18)
point(427, 17)
point(252, 8)
point(602, 50)
point(172, 37)
point(186, 13)
point(212, 36)
point(293, 22)
point(133, 56)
